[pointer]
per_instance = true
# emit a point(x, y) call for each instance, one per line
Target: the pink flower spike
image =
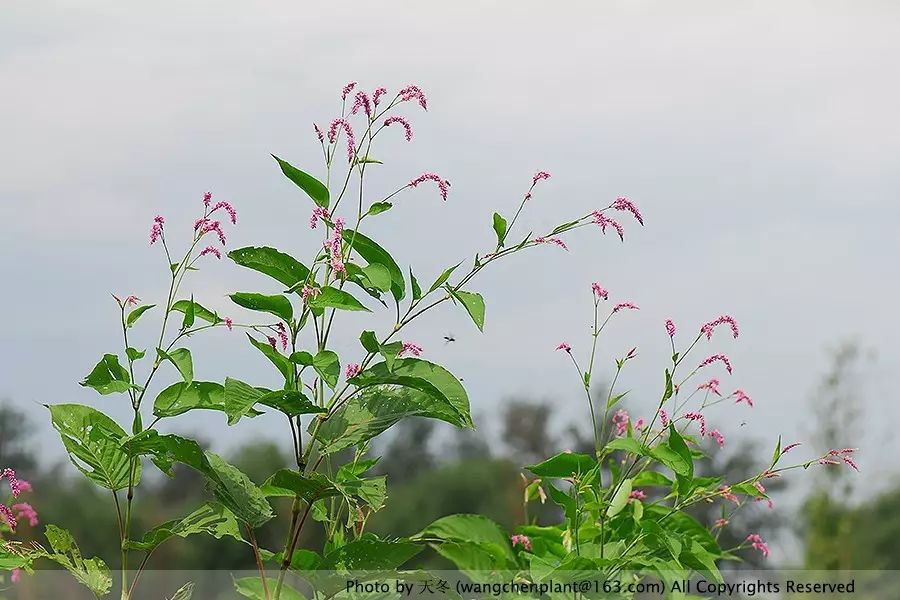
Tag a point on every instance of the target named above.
point(717, 357)
point(376, 96)
point(6, 514)
point(790, 447)
point(347, 89)
point(213, 226)
point(352, 370)
point(14, 486)
point(620, 420)
point(695, 416)
point(200, 223)
point(850, 462)
point(132, 301)
point(758, 544)
point(728, 494)
point(603, 221)
point(412, 92)
point(319, 133)
point(623, 203)
point(443, 184)
point(708, 328)
point(156, 232)
point(351, 139)
point(211, 250)
point(521, 540)
point(551, 240)
point(637, 495)
point(670, 328)
point(309, 292)
point(599, 291)
point(361, 101)
point(207, 198)
point(639, 424)
point(827, 461)
point(232, 214)
point(318, 213)
point(272, 342)
point(407, 128)
point(23, 510)
point(283, 336)
point(564, 346)
point(24, 486)
point(741, 396)
point(623, 306)
point(712, 385)
point(229, 323)
point(540, 175)
point(663, 417)
point(716, 435)
point(410, 348)
point(721, 523)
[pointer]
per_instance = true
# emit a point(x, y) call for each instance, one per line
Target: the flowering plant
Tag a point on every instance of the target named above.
point(332, 405)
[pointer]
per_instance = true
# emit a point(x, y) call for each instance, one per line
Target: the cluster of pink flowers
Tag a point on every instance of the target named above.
point(623, 306)
point(128, 301)
point(741, 396)
point(16, 487)
point(721, 523)
point(712, 385)
point(842, 454)
point(410, 348)
point(539, 176)
point(310, 292)
point(728, 494)
point(603, 221)
point(790, 447)
point(551, 240)
point(352, 370)
point(716, 435)
point(156, 231)
point(716, 357)
point(232, 214)
point(443, 184)
point(623, 203)
point(620, 420)
point(208, 226)
point(407, 128)
point(413, 92)
point(361, 101)
point(564, 346)
point(229, 323)
point(282, 335)
point(25, 511)
point(708, 328)
point(341, 123)
point(347, 89)
point(335, 247)
point(663, 417)
point(637, 495)
point(695, 416)
point(211, 250)
point(762, 490)
point(599, 291)
point(521, 540)
point(670, 328)
point(319, 133)
point(377, 94)
point(758, 544)
point(318, 213)
point(207, 198)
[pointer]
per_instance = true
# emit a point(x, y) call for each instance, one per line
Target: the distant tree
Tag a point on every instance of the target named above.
point(15, 432)
point(526, 430)
point(409, 452)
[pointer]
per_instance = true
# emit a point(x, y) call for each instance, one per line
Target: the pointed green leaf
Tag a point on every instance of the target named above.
point(277, 265)
point(500, 229)
point(281, 362)
point(379, 207)
point(331, 297)
point(135, 354)
point(373, 253)
point(414, 284)
point(328, 365)
point(619, 501)
point(291, 403)
point(195, 309)
point(181, 397)
point(134, 315)
point(277, 305)
point(564, 465)
point(442, 278)
point(314, 188)
point(182, 360)
point(108, 377)
point(211, 518)
point(474, 305)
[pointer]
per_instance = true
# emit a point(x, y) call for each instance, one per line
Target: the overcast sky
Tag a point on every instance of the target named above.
point(762, 146)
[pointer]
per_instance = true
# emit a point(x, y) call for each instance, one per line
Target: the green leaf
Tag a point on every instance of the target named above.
point(314, 188)
point(500, 229)
point(276, 305)
point(108, 377)
point(301, 358)
point(373, 253)
point(378, 276)
point(290, 483)
point(442, 278)
point(252, 587)
point(331, 297)
point(291, 403)
point(369, 553)
point(414, 285)
point(134, 315)
point(190, 315)
point(328, 365)
point(280, 361)
point(93, 442)
point(135, 354)
point(182, 397)
point(239, 399)
point(651, 479)
point(628, 444)
point(474, 305)
point(379, 207)
point(470, 541)
point(676, 443)
point(280, 266)
point(185, 592)
point(189, 306)
point(369, 341)
point(563, 465)
point(182, 360)
point(235, 490)
point(620, 499)
point(211, 518)
point(425, 377)
point(91, 572)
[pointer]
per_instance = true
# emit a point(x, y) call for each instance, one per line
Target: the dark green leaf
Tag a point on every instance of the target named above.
point(182, 360)
point(182, 397)
point(378, 276)
point(291, 403)
point(331, 297)
point(93, 442)
point(369, 553)
point(135, 354)
point(239, 398)
point(276, 305)
point(108, 377)
point(134, 315)
point(277, 265)
point(314, 188)
point(280, 361)
point(373, 253)
point(90, 572)
point(252, 587)
point(301, 358)
point(212, 519)
point(328, 365)
point(290, 483)
point(379, 207)
point(474, 305)
point(564, 464)
point(414, 284)
point(500, 228)
point(189, 306)
point(369, 341)
point(442, 278)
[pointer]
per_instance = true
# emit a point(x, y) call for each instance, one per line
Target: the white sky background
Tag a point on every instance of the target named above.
point(761, 144)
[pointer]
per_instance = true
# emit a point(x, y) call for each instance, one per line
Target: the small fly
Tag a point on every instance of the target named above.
point(449, 339)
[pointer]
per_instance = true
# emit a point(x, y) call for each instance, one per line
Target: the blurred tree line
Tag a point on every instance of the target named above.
point(433, 471)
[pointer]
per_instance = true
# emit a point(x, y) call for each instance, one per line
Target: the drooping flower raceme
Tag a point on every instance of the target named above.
point(341, 123)
point(407, 128)
point(443, 184)
point(708, 328)
point(716, 357)
point(623, 203)
point(410, 348)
